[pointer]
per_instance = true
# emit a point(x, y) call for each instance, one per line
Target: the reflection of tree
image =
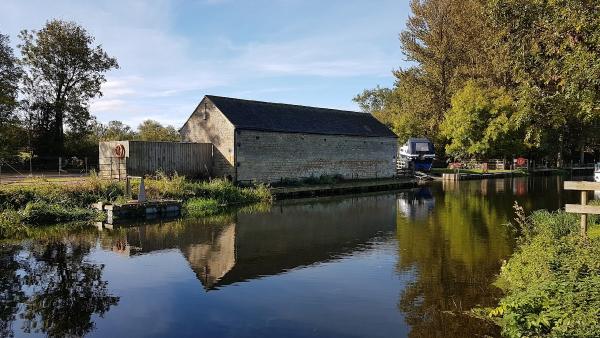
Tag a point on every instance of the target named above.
point(66, 290)
point(454, 253)
point(10, 289)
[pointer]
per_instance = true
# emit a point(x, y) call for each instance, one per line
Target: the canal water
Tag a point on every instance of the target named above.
point(394, 264)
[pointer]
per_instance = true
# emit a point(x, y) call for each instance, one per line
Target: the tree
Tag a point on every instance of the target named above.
point(446, 43)
point(63, 72)
point(117, 131)
point(479, 123)
point(10, 73)
point(553, 59)
point(151, 130)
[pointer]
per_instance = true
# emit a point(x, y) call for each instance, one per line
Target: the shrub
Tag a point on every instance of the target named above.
point(200, 207)
point(552, 281)
point(11, 223)
point(37, 213)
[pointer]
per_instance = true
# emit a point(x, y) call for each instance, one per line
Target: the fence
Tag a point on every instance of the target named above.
point(583, 208)
point(121, 158)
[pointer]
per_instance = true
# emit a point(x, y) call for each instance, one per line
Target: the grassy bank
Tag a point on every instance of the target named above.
point(552, 281)
point(23, 207)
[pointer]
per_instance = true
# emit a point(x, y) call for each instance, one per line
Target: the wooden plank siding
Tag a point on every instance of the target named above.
point(146, 158)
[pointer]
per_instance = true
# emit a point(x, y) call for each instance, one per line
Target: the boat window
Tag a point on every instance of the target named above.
point(421, 146)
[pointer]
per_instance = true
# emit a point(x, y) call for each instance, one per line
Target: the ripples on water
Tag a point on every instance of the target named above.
point(407, 263)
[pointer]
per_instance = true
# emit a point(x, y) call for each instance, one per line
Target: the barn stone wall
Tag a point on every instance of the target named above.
point(269, 157)
point(212, 127)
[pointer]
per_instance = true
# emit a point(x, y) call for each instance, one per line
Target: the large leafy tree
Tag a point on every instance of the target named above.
point(9, 84)
point(63, 72)
point(553, 60)
point(445, 43)
point(479, 123)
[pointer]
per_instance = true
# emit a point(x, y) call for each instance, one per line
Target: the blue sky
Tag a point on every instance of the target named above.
point(171, 53)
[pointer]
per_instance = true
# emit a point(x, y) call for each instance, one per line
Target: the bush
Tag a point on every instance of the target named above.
point(225, 192)
point(37, 213)
point(199, 207)
point(552, 281)
point(11, 224)
point(80, 195)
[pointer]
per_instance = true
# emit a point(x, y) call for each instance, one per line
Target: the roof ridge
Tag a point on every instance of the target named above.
point(287, 104)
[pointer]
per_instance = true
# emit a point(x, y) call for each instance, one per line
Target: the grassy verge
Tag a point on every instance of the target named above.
point(552, 281)
point(23, 207)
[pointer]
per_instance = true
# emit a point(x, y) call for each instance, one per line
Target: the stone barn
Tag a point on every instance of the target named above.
point(267, 142)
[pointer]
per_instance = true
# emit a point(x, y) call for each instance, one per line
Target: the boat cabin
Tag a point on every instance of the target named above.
point(417, 154)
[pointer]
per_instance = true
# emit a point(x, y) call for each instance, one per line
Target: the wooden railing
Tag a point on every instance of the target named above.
point(584, 209)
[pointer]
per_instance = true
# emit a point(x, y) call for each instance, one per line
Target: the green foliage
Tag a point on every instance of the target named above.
point(446, 41)
point(69, 195)
point(10, 74)
point(552, 281)
point(201, 207)
point(479, 123)
point(116, 131)
point(37, 213)
point(63, 72)
point(151, 130)
point(553, 64)
point(223, 191)
point(25, 206)
point(543, 54)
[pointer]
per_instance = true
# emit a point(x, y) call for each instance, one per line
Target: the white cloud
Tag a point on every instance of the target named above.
point(164, 71)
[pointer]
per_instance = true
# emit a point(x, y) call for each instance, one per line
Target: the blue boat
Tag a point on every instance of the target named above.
point(416, 154)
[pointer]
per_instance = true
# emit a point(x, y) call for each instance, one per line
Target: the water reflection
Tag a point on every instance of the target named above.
point(390, 264)
point(59, 291)
point(456, 248)
point(416, 203)
point(10, 289)
point(246, 246)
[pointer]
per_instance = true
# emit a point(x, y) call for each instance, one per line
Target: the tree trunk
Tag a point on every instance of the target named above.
point(59, 133)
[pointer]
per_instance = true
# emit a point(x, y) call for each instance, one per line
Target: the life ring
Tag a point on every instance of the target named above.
point(521, 161)
point(120, 151)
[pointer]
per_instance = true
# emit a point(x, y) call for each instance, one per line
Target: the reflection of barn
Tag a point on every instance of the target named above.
point(263, 244)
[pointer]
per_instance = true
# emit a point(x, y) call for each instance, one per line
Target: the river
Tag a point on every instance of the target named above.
point(394, 264)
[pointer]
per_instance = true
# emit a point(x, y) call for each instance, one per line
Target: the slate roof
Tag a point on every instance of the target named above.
point(279, 117)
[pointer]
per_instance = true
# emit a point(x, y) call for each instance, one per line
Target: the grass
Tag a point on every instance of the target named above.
point(552, 281)
point(27, 206)
point(201, 207)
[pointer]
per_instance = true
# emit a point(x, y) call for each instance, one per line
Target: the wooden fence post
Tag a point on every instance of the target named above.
point(584, 218)
point(583, 209)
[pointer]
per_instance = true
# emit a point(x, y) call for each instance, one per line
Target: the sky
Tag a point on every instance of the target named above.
point(172, 53)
